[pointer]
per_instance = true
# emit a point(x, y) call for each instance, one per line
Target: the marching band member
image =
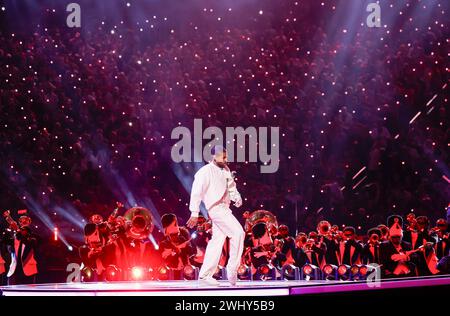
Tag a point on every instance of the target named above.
point(384, 232)
point(396, 255)
point(175, 249)
point(371, 250)
point(23, 268)
point(286, 244)
point(442, 246)
point(317, 247)
point(349, 250)
point(2, 261)
point(92, 253)
point(202, 235)
point(265, 252)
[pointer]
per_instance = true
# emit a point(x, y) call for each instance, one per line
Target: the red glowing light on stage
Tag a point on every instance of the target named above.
point(265, 269)
point(163, 270)
point(112, 273)
point(242, 269)
point(363, 270)
point(137, 273)
point(328, 269)
point(354, 269)
point(55, 234)
point(307, 270)
point(342, 270)
point(163, 273)
point(188, 270)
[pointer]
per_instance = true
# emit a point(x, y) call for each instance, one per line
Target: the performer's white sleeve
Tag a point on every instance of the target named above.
point(232, 190)
point(197, 193)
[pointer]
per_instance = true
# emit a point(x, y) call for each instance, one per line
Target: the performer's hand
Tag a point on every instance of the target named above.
point(238, 203)
point(192, 222)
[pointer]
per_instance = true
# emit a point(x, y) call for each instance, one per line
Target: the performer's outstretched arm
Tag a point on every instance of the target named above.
point(197, 193)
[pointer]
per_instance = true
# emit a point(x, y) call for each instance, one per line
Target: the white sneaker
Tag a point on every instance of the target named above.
point(209, 281)
point(233, 282)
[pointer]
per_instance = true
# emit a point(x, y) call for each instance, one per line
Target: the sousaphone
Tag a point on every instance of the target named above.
point(262, 216)
point(140, 222)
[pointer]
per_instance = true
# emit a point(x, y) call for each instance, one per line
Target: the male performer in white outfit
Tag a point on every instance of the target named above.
point(215, 186)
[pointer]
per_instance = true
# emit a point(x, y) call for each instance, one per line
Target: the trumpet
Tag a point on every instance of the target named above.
point(439, 232)
point(412, 222)
point(374, 239)
point(12, 223)
point(279, 243)
point(307, 247)
point(435, 230)
point(324, 228)
point(113, 220)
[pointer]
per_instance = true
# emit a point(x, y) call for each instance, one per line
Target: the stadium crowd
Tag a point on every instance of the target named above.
point(87, 115)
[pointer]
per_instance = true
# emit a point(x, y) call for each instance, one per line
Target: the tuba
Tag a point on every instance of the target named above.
point(324, 228)
point(262, 216)
point(139, 223)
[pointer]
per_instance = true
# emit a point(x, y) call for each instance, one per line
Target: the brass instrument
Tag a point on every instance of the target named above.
point(301, 238)
point(279, 244)
point(324, 228)
point(115, 222)
point(140, 223)
point(412, 222)
point(262, 216)
point(374, 239)
point(114, 214)
point(307, 247)
point(441, 234)
point(12, 223)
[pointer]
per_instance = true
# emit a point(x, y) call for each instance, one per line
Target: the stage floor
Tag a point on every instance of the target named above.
point(193, 288)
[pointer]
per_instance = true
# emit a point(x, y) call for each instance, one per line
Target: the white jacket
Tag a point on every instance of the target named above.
point(212, 185)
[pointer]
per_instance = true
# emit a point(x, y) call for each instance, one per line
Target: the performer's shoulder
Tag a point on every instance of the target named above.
point(203, 169)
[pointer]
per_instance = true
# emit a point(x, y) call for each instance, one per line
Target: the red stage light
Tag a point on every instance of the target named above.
point(112, 273)
point(242, 269)
point(328, 269)
point(265, 269)
point(354, 269)
point(163, 273)
point(363, 270)
point(87, 274)
point(342, 269)
point(137, 273)
point(307, 270)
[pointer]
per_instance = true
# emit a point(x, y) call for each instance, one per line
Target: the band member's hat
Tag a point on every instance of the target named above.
point(170, 224)
point(374, 230)
point(89, 229)
point(168, 219)
point(395, 224)
point(283, 229)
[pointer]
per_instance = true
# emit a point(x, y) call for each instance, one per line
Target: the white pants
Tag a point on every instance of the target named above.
point(224, 224)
